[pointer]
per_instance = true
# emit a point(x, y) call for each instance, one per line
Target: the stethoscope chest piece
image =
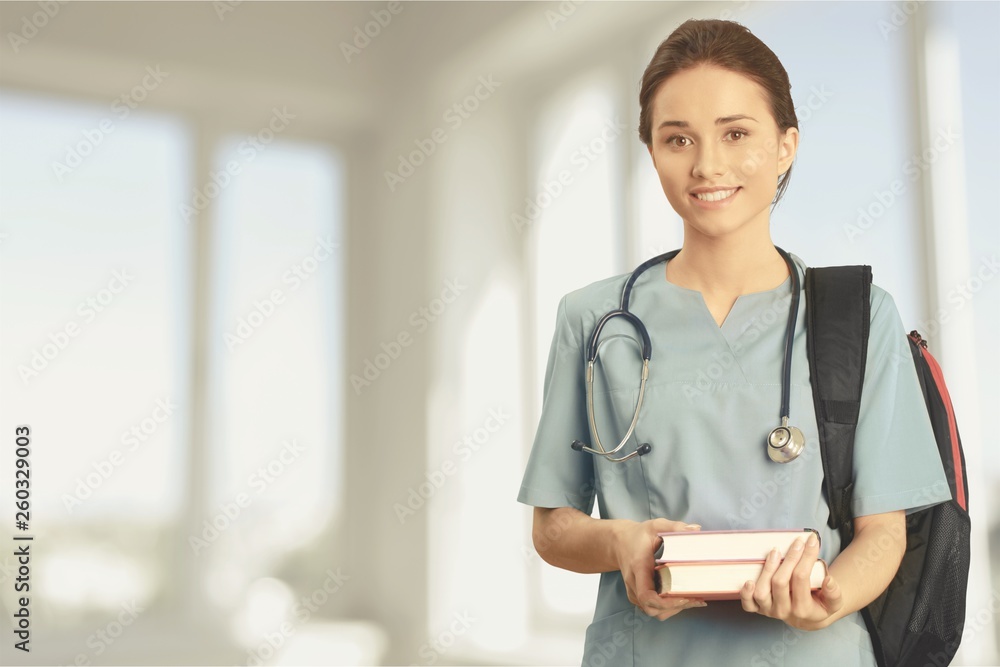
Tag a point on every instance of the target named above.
point(785, 442)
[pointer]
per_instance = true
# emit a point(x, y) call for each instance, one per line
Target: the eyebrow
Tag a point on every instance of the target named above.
point(718, 121)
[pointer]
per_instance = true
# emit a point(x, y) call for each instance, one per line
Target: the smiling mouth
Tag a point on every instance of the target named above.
point(718, 195)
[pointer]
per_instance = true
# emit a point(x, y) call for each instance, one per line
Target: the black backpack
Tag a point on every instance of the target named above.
point(918, 619)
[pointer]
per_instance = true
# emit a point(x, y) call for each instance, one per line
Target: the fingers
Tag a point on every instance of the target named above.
point(783, 588)
point(746, 598)
point(654, 604)
point(757, 595)
point(668, 526)
point(677, 605)
point(802, 603)
point(630, 590)
point(631, 586)
point(781, 596)
point(639, 576)
point(647, 598)
point(833, 599)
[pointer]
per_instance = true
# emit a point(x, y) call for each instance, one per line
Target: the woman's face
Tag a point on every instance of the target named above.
point(712, 129)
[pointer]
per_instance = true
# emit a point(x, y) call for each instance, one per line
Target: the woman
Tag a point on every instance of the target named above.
point(718, 120)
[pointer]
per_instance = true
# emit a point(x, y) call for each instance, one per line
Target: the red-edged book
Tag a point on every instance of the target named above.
point(714, 564)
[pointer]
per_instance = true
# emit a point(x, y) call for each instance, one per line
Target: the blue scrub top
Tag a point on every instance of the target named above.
point(712, 397)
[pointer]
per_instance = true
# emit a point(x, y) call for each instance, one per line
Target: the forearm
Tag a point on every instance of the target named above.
point(569, 539)
point(866, 567)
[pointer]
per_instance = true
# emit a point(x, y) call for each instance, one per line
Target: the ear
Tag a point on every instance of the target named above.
point(788, 146)
point(649, 147)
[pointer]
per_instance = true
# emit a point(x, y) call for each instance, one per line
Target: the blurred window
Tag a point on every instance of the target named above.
point(96, 282)
point(94, 287)
point(276, 340)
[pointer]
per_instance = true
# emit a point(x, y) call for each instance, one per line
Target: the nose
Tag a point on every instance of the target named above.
point(708, 162)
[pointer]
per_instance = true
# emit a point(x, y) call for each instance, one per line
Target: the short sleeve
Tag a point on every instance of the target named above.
point(897, 464)
point(556, 474)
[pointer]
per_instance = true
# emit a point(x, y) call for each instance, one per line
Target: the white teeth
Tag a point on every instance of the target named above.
point(718, 195)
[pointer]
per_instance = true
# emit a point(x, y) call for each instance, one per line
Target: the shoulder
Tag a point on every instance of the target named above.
point(585, 303)
point(886, 333)
point(882, 303)
point(885, 317)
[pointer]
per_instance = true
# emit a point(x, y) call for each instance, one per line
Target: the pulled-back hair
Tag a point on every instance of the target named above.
point(728, 45)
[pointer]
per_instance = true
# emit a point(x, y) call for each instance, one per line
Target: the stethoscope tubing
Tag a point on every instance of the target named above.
point(793, 313)
point(593, 347)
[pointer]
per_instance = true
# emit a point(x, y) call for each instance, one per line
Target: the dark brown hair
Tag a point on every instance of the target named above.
point(725, 44)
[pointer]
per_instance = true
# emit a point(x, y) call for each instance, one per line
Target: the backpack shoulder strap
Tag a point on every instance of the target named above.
point(838, 314)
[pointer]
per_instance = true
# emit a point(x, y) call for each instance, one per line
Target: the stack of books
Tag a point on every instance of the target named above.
point(714, 564)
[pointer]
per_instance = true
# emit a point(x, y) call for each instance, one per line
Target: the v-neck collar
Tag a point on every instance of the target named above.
point(744, 310)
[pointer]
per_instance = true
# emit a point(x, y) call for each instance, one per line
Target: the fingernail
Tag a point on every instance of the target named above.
point(692, 526)
point(798, 545)
point(812, 541)
point(771, 555)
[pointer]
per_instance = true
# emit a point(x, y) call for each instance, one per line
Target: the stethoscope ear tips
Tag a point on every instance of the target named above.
point(785, 443)
point(577, 445)
point(644, 448)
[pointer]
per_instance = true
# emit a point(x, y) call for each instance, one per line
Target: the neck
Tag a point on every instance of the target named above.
point(727, 265)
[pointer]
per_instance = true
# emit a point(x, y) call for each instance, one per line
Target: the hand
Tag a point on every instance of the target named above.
point(783, 591)
point(635, 547)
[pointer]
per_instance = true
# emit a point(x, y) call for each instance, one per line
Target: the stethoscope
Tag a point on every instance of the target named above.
point(784, 443)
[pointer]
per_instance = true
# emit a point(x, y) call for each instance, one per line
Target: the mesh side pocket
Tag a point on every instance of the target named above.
point(939, 607)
